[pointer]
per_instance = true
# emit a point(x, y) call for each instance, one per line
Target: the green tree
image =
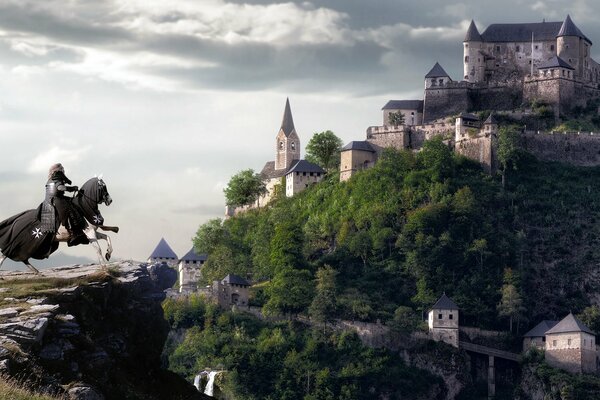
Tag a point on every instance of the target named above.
point(436, 157)
point(511, 303)
point(209, 236)
point(591, 317)
point(290, 291)
point(405, 320)
point(396, 118)
point(324, 305)
point(324, 149)
point(509, 150)
point(244, 188)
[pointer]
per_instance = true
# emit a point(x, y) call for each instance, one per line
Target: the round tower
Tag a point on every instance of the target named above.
point(473, 61)
point(569, 44)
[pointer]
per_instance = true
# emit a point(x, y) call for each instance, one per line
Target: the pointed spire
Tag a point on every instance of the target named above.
point(287, 124)
point(163, 250)
point(568, 28)
point(472, 33)
point(490, 119)
point(437, 72)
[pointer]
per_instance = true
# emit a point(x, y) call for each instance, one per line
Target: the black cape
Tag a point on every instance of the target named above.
point(21, 237)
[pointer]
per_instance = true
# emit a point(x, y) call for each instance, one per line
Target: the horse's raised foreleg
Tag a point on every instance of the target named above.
point(31, 267)
point(2, 258)
point(92, 236)
point(109, 248)
point(114, 229)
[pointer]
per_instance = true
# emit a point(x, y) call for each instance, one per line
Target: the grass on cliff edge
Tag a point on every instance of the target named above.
point(43, 286)
point(10, 390)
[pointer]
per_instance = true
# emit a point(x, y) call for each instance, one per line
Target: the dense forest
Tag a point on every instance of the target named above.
point(510, 251)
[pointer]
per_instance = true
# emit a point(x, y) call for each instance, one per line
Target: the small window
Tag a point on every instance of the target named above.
point(304, 174)
point(536, 46)
point(293, 146)
point(280, 145)
point(551, 47)
point(466, 58)
point(497, 48)
point(433, 81)
point(441, 81)
point(450, 316)
point(554, 343)
point(518, 48)
point(544, 339)
point(439, 316)
point(569, 342)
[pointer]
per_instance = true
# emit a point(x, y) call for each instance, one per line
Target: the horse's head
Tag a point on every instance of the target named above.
point(95, 190)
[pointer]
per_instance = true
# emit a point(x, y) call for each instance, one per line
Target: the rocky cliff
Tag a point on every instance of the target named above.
point(89, 332)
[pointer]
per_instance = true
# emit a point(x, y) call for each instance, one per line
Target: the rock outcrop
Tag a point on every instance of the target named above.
point(89, 332)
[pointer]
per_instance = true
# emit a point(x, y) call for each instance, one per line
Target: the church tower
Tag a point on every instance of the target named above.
point(287, 141)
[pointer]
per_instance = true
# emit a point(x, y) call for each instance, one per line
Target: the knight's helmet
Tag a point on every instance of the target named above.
point(55, 168)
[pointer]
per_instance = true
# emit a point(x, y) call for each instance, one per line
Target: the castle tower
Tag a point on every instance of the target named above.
point(490, 126)
point(287, 141)
point(443, 321)
point(573, 47)
point(570, 345)
point(474, 63)
point(436, 77)
point(163, 253)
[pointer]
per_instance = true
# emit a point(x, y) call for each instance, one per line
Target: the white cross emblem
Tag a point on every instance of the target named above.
point(97, 219)
point(37, 233)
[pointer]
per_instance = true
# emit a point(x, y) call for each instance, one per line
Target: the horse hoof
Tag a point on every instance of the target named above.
point(107, 256)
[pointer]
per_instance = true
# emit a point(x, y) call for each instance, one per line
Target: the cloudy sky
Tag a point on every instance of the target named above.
point(169, 98)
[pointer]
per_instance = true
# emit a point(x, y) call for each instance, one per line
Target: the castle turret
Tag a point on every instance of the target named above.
point(287, 141)
point(443, 321)
point(436, 77)
point(474, 64)
point(573, 46)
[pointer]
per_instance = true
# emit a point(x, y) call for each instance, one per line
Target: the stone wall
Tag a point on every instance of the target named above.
point(481, 149)
point(574, 352)
point(582, 149)
point(446, 100)
point(352, 161)
point(500, 96)
point(382, 137)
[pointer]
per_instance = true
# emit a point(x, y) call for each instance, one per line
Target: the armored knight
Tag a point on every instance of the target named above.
point(56, 203)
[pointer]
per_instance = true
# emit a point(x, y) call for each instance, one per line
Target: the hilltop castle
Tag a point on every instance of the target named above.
point(506, 66)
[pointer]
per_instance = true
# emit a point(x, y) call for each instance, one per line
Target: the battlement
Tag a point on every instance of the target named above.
point(373, 131)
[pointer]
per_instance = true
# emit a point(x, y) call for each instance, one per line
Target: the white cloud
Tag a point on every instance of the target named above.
point(66, 156)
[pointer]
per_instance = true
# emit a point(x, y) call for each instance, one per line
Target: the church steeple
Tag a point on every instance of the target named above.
point(287, 124)
point(287, 140)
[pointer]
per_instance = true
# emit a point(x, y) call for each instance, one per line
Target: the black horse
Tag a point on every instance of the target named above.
point(21, 237)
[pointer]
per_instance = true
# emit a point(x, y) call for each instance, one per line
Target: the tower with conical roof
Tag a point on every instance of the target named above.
point(571, 345)
point(573, 46)
point(443, 321)
point(473, 62)
point(287, 141)
point(163, 253)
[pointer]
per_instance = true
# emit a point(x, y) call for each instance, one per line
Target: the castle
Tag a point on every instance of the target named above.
point(504, 67)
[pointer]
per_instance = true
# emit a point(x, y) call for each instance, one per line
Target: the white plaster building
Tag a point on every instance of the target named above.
point(443, 321)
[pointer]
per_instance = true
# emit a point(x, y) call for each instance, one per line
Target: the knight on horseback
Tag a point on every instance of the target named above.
point(56, 203)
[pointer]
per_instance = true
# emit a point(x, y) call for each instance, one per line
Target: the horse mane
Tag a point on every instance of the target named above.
point(88, 198)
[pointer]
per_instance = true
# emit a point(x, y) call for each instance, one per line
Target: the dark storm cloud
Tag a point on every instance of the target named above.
point(25, 18)
point(385, 45)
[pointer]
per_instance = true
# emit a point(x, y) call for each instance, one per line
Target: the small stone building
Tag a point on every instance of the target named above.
point(231, 291)
point(443, 321)
point(536, 337)
point(190, 271)
point(571, 346)
point(356, 156)
point(301, 175)
point(163, 253)
point(411, 109)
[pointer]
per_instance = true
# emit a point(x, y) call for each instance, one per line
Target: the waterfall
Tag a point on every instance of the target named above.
point(208, 390)
point(197, 381)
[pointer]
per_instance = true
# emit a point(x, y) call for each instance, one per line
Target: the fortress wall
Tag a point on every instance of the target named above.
point(498, 97)
point(445, 100)
point(396, 139)
point(480, 149)
point(577, 149)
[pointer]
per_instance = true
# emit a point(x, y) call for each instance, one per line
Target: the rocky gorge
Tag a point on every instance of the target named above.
point(89, 332)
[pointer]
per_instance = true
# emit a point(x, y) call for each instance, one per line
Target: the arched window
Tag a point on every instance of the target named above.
point(280, 145)
point(293, 146)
